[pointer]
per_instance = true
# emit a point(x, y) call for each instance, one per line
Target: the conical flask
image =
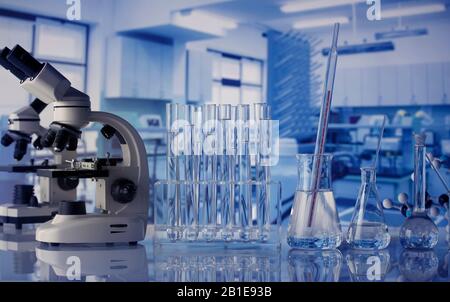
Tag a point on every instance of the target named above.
point(368, 229)
point(314, 221)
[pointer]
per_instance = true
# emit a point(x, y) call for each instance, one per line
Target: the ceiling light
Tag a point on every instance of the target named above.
point(302, 6)
point(412, 10)
point(202, 21)
point(311, 23)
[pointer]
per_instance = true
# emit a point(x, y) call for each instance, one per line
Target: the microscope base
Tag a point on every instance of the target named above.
point(92, 229)
point(23, 214)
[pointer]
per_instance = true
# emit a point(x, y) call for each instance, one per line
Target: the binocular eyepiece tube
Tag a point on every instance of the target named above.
point(20, 63)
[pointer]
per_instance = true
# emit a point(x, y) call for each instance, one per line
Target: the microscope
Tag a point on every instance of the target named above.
point(26, 207)
point(121, 185)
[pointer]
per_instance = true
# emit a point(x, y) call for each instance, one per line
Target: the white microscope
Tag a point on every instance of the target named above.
point(122, 186)
point(26, 208)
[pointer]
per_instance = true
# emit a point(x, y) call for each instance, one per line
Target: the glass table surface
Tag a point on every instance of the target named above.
point(24, 259)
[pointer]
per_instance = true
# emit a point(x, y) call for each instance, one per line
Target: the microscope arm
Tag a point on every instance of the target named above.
point(134, 158)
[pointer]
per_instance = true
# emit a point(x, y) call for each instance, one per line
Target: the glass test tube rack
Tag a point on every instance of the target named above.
point(183, 215)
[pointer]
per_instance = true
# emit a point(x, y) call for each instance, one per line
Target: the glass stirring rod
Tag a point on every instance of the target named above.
point(323, 120)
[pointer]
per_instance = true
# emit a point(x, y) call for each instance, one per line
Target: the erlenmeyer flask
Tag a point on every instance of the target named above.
point(368, 229)
point(314, 221)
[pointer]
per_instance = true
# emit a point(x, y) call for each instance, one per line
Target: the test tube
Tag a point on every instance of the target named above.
point(209, 162)
point(191, 160)
point(228, 218)
point(243, 171)
point(175, 137)
point(223, 190)
point(262, 114)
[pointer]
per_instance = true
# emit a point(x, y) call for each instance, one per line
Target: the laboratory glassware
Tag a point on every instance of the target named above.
point(418, 231)
point(262, 136)
point(175, 114)
point(243, 171)
point(368, 229)
point(323, 230)
point(164, 202)
point(209, 169)
point(224, 162)
point(314, 266)
point(192, 165)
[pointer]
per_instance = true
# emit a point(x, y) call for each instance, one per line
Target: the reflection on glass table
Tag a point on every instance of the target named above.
point(24, 259)
point(418, 265)
point(217, 265)
point(368, 266)
point(314, 266)
point(83, 263)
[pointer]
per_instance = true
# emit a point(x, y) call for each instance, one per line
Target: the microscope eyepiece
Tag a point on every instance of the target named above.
point(8, 66)
point(25, 62)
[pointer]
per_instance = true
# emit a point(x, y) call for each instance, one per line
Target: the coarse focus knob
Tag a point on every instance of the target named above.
point(123, 190)
point(72, 208)
point(68, 183)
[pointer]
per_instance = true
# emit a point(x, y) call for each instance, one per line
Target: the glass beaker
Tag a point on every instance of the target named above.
point(368, 229)
point(314, 221)
point(419, 231)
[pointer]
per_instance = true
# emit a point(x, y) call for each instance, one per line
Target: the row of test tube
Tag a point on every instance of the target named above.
point(211, 150)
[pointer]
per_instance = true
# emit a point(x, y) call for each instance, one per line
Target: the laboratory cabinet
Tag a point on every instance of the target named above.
point(339, 92)
point(447, 82)
point(419, 92)
point(436, 83)
point(370, 87)
point(353, 87)
point(388, 85)
point(200, 73)
point(393, 85)
point(138, 68)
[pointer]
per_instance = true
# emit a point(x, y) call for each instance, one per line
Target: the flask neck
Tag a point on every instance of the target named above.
point(306, 167)
point(419, 178)
point(368, 175)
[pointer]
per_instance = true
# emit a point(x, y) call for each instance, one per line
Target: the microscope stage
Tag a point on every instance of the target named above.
point(60, 173)
point(24, 169)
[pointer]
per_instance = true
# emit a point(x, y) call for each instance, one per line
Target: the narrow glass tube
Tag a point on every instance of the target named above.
point(229, 215)
point(243, 171)
point(223, 170)
point(262, 119)
point(418, 230)
point(175, 113)
point(209, 162)
point(192, 172)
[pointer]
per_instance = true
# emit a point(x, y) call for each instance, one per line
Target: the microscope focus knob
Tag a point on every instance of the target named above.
point(72, 208)
point(123, 190)
point(68, 183)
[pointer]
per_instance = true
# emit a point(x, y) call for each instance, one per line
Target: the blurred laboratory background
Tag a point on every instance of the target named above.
point(134, 56)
